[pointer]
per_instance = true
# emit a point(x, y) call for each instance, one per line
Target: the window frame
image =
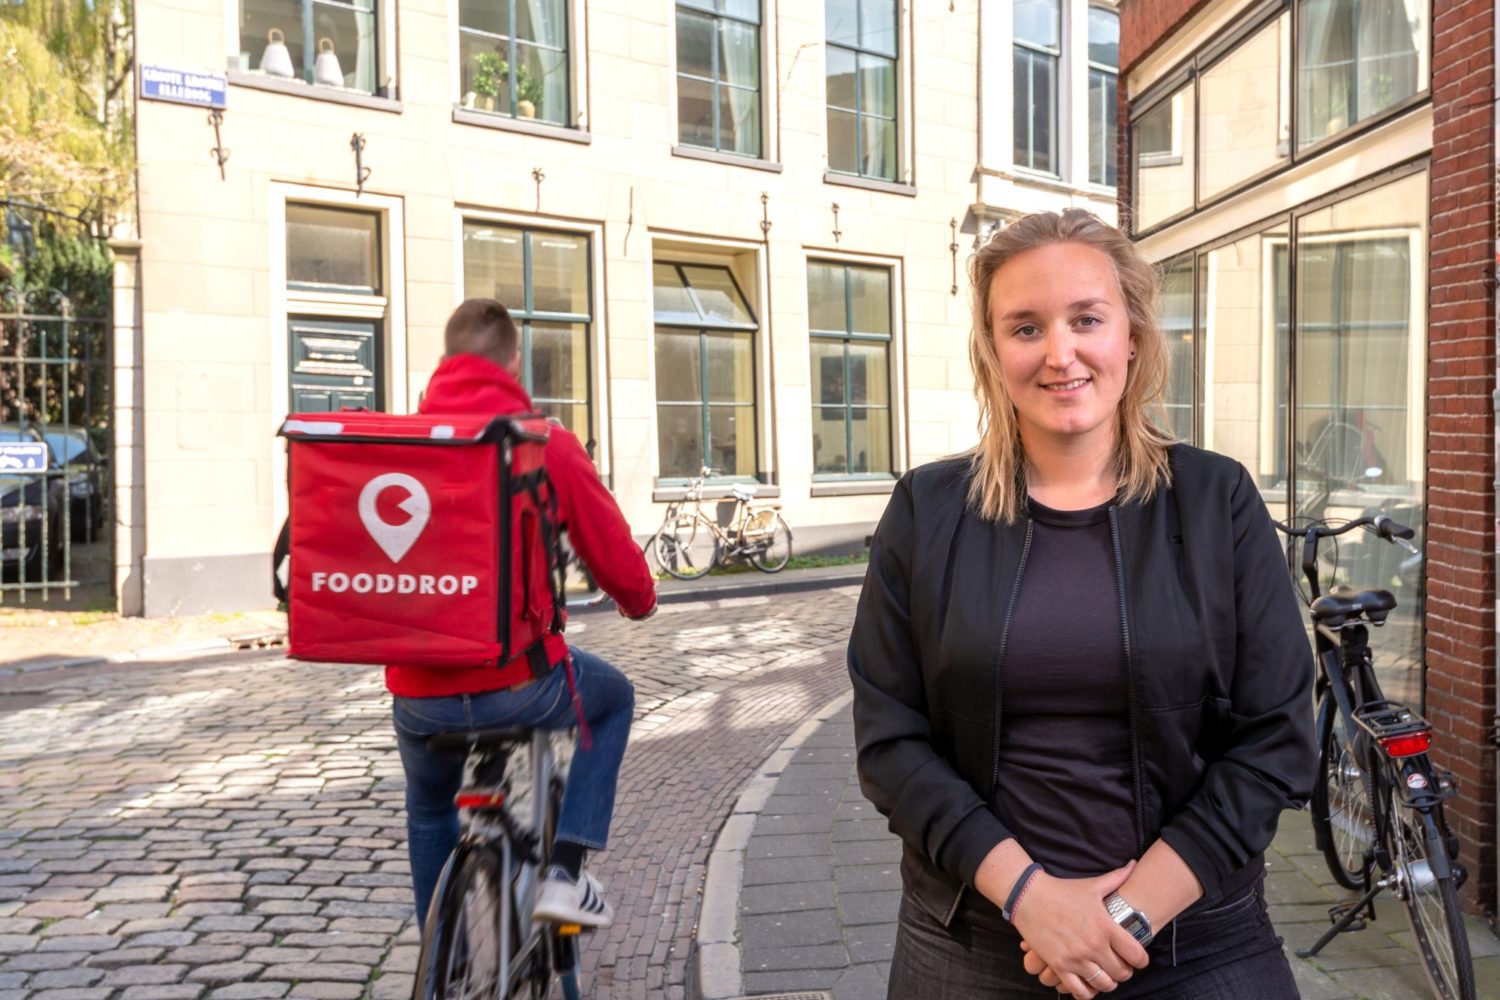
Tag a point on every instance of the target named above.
point(765, 153)
point(1244, 28)
point(1035, 51)
point(846, 338)
point(569, 51)
point(900, 171)
point(386, 95)
point(1113, 73)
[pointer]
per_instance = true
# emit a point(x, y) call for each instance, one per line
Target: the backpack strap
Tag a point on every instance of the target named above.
point(279, 556)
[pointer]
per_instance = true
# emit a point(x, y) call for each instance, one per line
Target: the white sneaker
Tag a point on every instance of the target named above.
point(561, 900)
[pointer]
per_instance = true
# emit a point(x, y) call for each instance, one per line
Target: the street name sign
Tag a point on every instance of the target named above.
point(202, 90)
point(23, 456)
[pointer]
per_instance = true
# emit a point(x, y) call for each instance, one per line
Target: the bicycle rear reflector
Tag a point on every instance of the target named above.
point(479, 800)
point(1407, 744)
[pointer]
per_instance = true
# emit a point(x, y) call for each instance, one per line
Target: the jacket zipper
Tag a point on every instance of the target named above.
point(1131, 697)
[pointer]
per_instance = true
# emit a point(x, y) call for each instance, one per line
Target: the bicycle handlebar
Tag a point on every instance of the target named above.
point(1391, 531)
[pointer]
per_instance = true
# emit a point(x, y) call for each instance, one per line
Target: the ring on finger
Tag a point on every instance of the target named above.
point(1097, 973)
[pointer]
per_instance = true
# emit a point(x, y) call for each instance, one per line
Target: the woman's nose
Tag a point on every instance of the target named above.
point(1059, 347)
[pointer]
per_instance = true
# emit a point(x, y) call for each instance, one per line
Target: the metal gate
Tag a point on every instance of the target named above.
point(55, 442)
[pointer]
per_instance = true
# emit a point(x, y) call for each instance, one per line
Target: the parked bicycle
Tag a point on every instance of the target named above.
point(1377, 807)
point(479, 941)
point(691, 542)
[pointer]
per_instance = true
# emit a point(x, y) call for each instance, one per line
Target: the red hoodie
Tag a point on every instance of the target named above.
point(469, 384)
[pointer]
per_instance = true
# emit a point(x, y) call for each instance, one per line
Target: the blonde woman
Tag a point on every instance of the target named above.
point(1082, 692)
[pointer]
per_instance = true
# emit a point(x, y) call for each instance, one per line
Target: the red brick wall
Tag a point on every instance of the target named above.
point(1460, 426)
point(1144, 23)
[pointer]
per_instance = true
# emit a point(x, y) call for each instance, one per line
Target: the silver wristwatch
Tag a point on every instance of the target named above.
point(1129, 917)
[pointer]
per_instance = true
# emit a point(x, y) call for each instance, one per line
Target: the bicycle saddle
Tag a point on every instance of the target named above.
point(743, 491)
point(1342, 605)
point(479, 738)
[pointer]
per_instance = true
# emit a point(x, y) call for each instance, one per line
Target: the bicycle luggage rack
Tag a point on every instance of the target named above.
point(1385, 720)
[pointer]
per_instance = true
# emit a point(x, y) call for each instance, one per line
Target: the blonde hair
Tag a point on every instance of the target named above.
point(998, 487)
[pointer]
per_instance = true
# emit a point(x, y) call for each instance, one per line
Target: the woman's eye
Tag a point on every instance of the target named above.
point(1089, 321)
point(1026, 331)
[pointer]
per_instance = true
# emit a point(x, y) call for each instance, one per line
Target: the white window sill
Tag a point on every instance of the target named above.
point(525, 126)
point(853, 487)
point(713, 492)
point(729, 159)
point(869, 183)
point(297, 88)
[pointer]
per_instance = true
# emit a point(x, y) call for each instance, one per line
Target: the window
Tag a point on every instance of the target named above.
point(705, 372)
point(543, 278)
point(334, 249)
point(718, 75)
point(863, 44)
point(1038, 49)
point(1244, 110)
point(1177, 327)
point(849, 311)
point(1355, 59)
point(1104, 63)
point(514, 58)
point(327, 42)
point(1162, 146)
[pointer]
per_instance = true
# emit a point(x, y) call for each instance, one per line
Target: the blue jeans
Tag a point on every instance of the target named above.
point(433, 777)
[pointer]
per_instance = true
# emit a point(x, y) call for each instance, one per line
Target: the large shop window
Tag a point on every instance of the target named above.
point(330, 43)
point(1355, 59)
point(705, 373)
point(543, 277)
point(1177, 327)
point(863, 46)
point(718, 75)
point(1244, 110)
point(1037, 25)
point(1163, 145)
point(513, 57)
point(1104, 63)
point(849, 310)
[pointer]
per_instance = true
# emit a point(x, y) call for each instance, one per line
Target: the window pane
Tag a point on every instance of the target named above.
point(749, 10)
point(672, 302)
point(739, 121)
point(1242, 115)
point(1036, 21)
point(679, 439)
point(350, 36)
point(870, 440)
point(559, 273)
point(828, 378)
point(1035, 109)
point(492, 16)
point(843, 145)
point(877, 86)
point(332, 246)
point(717, 294)
point(560, 363)
point(841, 63)
point(877, 24)
point(1104, 37)
point(541, 84)
point(830, 439)
point(879, 139)
point(494, 266)
point(841, 21)
point(731, 450)
point(258, 19)
point(1163, 145)
point(695, 112)
point(1103, 113)
point(869, 373)
point(731, 368)
point(485, 73)
point(1177, 327)
point(695, 40)
point(1356, 58)
point(870, 300)
point(679, 376)
point(739, 53)
point(825, 297)
point(542, 21)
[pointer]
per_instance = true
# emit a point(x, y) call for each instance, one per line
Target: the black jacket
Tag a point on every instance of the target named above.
point(1219, 671)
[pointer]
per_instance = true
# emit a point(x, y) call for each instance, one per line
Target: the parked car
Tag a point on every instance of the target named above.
point(31, 509)
point(85, 466)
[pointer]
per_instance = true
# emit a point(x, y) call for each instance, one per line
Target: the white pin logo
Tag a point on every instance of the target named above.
point(395, 540)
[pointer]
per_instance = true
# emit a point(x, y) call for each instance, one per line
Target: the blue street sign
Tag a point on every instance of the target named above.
point(203, 90)
point(23, 456)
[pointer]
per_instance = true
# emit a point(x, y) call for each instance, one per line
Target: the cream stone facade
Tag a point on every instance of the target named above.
point(223, 329)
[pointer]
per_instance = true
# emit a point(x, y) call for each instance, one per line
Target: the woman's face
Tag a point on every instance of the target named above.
point(1063, 338)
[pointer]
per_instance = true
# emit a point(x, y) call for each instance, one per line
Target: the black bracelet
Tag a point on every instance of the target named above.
point(1018, 889)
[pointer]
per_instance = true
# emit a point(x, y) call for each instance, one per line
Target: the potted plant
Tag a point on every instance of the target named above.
point(528, 92)
point(490, 72)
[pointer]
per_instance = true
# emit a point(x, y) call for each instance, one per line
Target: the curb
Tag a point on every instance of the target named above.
point(179, 651)
point(740, 585)
point(714, 969)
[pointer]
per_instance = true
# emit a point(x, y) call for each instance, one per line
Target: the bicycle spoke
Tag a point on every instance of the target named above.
point(1431, 902)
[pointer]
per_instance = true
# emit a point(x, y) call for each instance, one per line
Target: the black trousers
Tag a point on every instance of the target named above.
point(1226, 952)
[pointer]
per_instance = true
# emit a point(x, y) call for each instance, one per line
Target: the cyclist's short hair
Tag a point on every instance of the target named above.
point(482, 327)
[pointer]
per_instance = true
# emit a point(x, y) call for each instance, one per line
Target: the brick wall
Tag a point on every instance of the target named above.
point(1144, 23)
point(1460, 428)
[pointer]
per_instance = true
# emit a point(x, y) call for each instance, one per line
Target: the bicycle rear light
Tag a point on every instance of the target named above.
point(479, 800)
point(1407, 744)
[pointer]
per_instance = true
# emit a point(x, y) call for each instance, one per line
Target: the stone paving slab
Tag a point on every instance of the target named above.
point(791, 936)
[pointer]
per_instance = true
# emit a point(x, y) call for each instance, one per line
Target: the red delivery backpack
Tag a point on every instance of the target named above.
point(424, 540)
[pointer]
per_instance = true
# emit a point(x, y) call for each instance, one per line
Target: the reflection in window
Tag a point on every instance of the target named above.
point(861, 52)
point(328, 42)
point(1177, 327)
point(705, 372)
point(1243, 119)
point(513, 56)
point(1038, 49)
point(718, 75)
point(335, 249)
point(1104, 62)
point(849, 310)
point(1355, 59)
point(1162, 145)
point(542, 277)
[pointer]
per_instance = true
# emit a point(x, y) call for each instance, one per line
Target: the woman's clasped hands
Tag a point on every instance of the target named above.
point(1071, 942)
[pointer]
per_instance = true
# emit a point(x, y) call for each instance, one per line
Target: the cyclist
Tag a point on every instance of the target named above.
point(478, 374)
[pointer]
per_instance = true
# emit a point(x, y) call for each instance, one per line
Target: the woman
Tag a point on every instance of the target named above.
point(1082, 688)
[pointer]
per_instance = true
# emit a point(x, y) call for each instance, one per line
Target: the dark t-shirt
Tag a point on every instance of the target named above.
point(1065, 770)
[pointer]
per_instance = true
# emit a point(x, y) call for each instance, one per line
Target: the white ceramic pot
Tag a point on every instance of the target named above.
point(326, 68)
point(276, 60)
point(525, 108)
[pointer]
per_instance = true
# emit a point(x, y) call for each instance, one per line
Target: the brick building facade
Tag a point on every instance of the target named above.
point(1318, 182)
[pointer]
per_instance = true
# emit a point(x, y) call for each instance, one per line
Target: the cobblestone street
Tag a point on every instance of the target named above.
point(233, 828)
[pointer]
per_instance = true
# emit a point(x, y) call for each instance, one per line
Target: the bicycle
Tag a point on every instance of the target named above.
point(1378, 801)
point(689, 543)
point(479, 941)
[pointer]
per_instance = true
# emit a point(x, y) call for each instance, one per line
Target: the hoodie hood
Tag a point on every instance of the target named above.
point(468, 383)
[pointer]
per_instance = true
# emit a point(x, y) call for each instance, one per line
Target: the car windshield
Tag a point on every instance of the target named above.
point(67, 446)
point(12, 434)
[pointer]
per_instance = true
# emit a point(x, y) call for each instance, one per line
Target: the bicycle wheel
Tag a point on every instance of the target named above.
point(1341, 814)
point(687, 548)
point(461, 947)
point(773, 539)
point(1431, 899)
point(560, 956)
